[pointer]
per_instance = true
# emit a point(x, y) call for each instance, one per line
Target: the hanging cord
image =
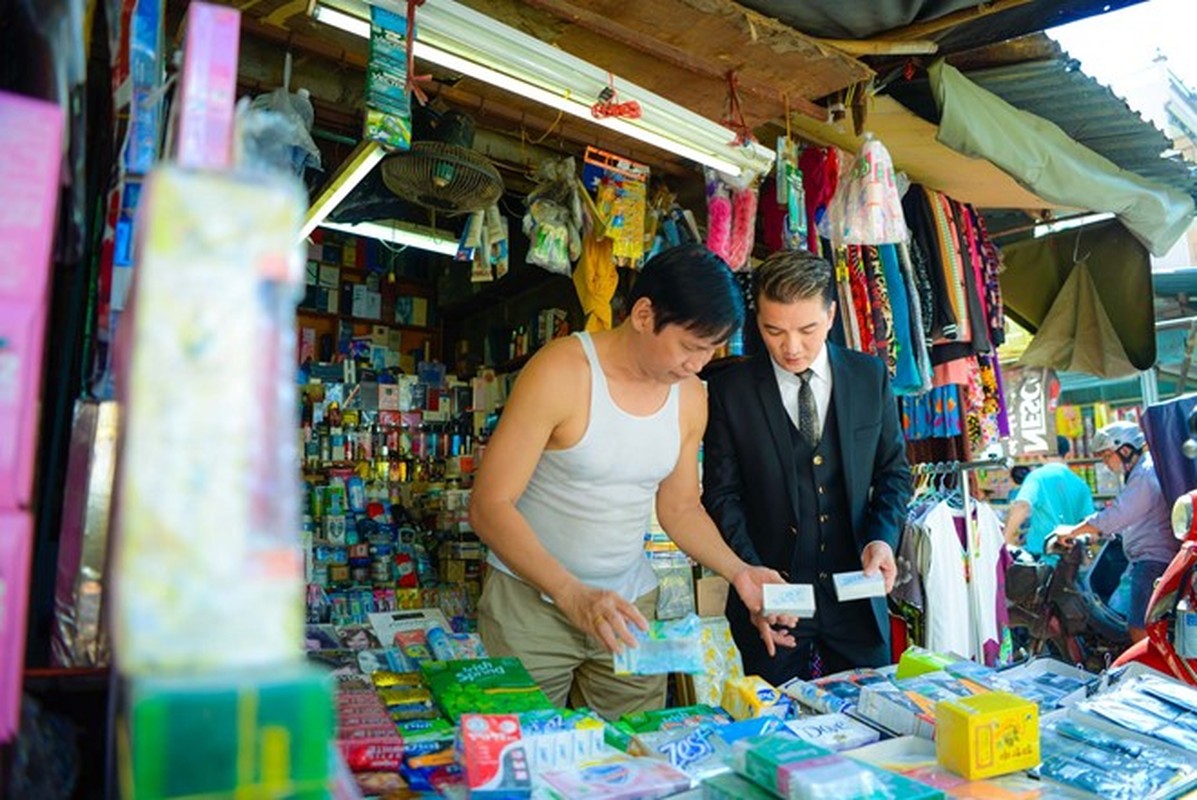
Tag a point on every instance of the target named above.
point(413, 81)
point(734, 118)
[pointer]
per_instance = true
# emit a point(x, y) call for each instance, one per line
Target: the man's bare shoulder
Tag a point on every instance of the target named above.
point(558, 360)
point(693, 399)
point(551, 375)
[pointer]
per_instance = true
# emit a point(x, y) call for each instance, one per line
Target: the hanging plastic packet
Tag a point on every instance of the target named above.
point(675, 587)
point(790, 194)
point(554, 217)
point(866, 208)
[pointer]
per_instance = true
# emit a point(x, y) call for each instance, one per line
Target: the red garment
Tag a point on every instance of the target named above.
point(820, 175)
point(860, 300)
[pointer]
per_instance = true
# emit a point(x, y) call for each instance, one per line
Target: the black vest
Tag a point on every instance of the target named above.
point(823, 544)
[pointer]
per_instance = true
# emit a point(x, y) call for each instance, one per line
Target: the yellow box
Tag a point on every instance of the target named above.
point(990, 734)
point(753, 696)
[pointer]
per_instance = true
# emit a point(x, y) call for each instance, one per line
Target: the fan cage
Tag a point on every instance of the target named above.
point(444, 177)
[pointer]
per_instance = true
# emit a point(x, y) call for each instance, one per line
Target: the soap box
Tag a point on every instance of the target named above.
point(858, 586)
point(797, 599)
point(995, 733)
point(753, 696)
point(496, 762)
point(834, 731)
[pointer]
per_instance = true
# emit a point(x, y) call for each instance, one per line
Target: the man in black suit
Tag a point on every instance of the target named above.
point(804, 471)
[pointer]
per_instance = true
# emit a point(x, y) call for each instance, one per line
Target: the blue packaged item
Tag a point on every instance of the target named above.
point(667, 646)
point(746, 729)
point(356, 489)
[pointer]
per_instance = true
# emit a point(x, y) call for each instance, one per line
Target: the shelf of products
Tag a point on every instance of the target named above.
point(311, 312)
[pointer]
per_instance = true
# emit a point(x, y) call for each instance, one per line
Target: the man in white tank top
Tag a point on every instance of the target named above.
point(599, 429)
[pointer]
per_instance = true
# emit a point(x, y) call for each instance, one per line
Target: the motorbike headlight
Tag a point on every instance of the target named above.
point(1182, 515)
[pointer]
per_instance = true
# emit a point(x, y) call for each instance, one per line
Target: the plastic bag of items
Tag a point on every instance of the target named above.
point(553, 222)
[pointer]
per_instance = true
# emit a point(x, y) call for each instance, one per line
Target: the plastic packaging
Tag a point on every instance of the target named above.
point(667, 646)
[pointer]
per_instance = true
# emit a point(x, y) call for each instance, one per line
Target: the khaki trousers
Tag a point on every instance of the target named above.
point(514, 620)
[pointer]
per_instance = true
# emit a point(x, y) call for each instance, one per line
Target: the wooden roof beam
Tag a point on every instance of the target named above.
point(670, 54)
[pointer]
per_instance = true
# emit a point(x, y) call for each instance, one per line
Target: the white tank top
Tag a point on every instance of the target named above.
point(590, 504)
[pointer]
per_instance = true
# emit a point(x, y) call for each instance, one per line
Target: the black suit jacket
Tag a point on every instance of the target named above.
point(748, 460)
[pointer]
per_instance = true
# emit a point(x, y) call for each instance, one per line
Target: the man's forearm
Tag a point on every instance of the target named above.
point(695, 533)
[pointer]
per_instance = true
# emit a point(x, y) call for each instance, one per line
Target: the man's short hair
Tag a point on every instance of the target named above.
point(1019, 474)
point(790, 275)
point(692, 287)
point(1062, 446)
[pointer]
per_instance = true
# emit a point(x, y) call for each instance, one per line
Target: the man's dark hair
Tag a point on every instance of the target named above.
point(1062, 446)
point(692, 287)
point(1019, 474)
point(790, 275)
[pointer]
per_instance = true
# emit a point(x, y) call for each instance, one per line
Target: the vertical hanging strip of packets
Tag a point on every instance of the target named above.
point(388, 106)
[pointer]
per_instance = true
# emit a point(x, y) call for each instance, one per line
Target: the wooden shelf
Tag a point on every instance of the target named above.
point(405, 286)
point(310, 312)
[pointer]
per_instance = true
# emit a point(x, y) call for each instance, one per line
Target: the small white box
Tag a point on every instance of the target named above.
point(858, 586)
point(797, 599)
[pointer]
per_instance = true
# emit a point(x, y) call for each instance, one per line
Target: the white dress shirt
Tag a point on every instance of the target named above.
point(789, 385)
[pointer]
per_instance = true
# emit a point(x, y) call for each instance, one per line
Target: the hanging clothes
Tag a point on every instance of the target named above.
point(902, 308)
point(935, 578)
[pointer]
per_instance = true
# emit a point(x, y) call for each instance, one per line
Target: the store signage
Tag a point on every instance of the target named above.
point(1032, 394)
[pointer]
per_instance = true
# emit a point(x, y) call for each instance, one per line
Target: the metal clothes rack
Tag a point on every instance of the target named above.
point(972, 539)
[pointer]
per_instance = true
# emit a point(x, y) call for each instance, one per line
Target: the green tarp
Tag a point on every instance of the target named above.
point(1045, 160)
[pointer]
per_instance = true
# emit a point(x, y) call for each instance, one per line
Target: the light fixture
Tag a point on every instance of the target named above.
point(1048, 228)
point(357, 166)
point(458, 38)
point(339, 19)
point(400, 234)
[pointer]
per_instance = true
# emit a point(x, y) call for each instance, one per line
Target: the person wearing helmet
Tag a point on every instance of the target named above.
point(1049, 495)
point(1140, 513)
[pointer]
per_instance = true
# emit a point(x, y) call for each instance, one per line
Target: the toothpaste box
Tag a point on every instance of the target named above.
point(797, 599)
point(495, 758)
point(858, 586)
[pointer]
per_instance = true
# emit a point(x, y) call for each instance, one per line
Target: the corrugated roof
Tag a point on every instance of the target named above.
point(1057, 90)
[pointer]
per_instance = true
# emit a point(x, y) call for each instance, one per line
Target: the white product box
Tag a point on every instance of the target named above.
point(797, 599)
point(858, 586)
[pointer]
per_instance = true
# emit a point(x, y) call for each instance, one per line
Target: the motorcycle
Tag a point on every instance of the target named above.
point(1060, 606)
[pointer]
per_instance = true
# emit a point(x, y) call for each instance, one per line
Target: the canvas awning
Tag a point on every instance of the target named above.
point(1043, 158)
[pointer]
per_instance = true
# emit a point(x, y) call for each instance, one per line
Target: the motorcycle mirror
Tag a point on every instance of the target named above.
point(1182, 515)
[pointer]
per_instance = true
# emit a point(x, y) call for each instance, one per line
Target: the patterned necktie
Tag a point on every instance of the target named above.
point(808, 416)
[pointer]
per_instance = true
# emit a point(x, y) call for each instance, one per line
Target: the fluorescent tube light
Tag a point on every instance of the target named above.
point(357, 166)
point(399, 234)
point(339, 19)
point(461, 39)
point(1048, 228)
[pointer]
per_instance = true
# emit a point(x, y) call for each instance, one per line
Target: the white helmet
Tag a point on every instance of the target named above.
point(1117, 434)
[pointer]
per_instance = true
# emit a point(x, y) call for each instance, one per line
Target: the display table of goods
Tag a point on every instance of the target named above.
point(423, 712)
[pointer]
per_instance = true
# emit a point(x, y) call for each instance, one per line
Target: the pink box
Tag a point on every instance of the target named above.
point(28, 208)
point(16, 546)
point(209, 86)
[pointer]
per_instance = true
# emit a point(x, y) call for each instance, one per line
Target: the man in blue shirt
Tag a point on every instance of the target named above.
point(1140, 513)
point(1048, 495)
